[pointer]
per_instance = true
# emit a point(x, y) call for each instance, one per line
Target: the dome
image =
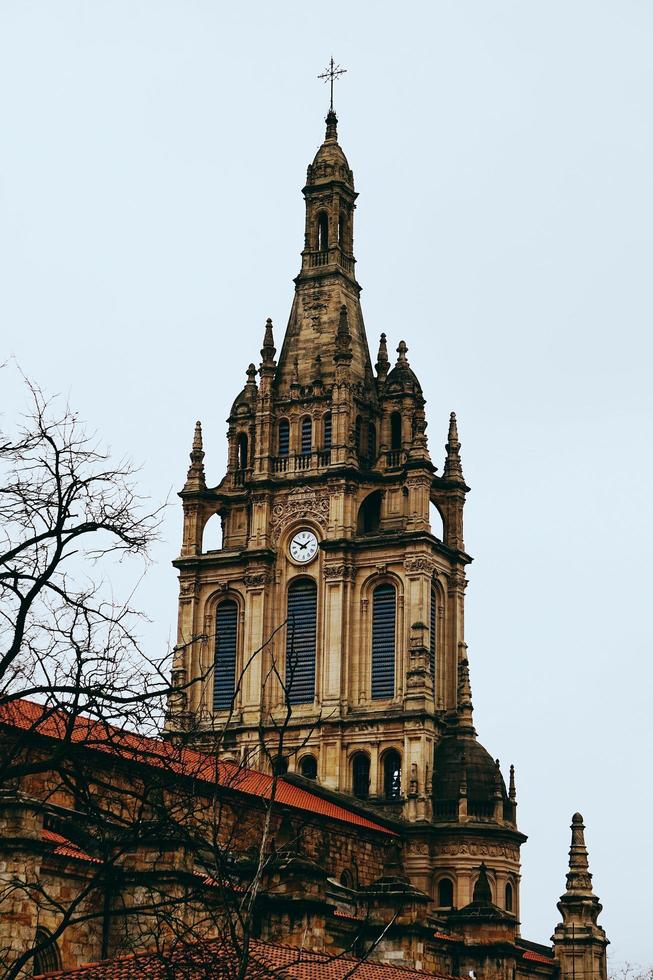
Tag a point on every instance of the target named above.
point(330, 162)
point(246, 400)
point(402, 379)
point(482, 772)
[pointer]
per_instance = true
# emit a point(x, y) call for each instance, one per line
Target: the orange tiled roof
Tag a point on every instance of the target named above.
point(66, 848)
point(534, 957)
point(266, 960)
point(102, 737)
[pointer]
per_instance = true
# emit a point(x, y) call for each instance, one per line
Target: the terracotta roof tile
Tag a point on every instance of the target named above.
point(66, 848)
point(534, 957)
point(102, 737)
point(266, 960)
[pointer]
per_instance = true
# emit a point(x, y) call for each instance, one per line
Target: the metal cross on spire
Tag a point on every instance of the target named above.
point(330, 74)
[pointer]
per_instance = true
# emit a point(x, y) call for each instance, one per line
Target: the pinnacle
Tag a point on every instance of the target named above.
point(268, 349)
point(331, 127)
point(402, 350)
point(195, 479)
point(453, 469)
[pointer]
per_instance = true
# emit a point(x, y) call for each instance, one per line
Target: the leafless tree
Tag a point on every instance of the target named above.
point(67, 512)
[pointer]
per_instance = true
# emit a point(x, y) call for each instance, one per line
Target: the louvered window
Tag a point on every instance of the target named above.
point(371, 442)
point(226, 629)
point(433, 629)
point(384, 604)
point(327, 431)
point(301, 632)
point(395, 430)
point(360, 775)
point(307, 435)
point(284, 437)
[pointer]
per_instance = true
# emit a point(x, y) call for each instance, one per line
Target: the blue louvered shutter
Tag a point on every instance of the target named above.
point(327, 431)
point(301, 632)
point(284, 437)
point(307, 435)
point(433, 630)
point(224, 675)
point(384, 604)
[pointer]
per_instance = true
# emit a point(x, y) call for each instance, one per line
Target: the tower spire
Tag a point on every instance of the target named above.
point(195, 480)
point(453, 469)
point(268, 350)
point(382, 362)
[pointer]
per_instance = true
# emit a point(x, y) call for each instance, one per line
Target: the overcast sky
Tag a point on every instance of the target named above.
point(151, 161)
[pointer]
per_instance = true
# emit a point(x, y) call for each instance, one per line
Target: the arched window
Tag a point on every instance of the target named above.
point(242, 451)
point(323, 231)
point(301, 632)
point(226, 634)
point(307, 435)
point(509, 897)
point(369, 513)
point(280, 765)
point(445, 893)
point(371, 442)
point(326, 431)
point(213, 533)
point(308, 767)
point(284, 437)
point(433, 627)
point(392, 775)
point(384, 601)
point(347, 879)
point(395, 430)
point(47, 959)
point(360, 775)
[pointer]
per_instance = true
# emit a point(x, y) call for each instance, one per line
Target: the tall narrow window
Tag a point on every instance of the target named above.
point(342, 229)
point(284, 437)
point(395, 430)
point(371, 442)
point(445, 893)
point(242, 451)
point(307, 435)
point(384, 601)
point(326, 431)
point(224, 674)
point(433, 625)
point(360, 775)
point(509, 898)
point(359, 435)
point(301, 632)
point(392, 775)
point(323, 231)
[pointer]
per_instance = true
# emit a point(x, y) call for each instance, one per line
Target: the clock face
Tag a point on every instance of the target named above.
point(303, 547)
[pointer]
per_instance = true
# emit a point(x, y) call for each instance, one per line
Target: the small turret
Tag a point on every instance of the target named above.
point(268, 350)
point(382, 362)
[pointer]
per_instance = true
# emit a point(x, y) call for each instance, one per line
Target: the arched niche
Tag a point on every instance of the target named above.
point(437, 524)
point(369, 513)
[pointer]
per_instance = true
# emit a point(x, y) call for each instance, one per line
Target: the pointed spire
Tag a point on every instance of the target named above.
point(402, 350)
point(195, 480)
point(331, 127)
point(465, 706)
point(579, 879)
point(453, 469)
point(512, 792)
point(268, 350)
point(382, 362)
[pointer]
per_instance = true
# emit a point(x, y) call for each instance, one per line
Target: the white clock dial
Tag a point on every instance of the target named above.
point(303, 547)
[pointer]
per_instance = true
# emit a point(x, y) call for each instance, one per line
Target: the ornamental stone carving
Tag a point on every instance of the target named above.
point(300, 503)
point(480, 850)
point(419, 565)
point(256, 580)
point(340, 571)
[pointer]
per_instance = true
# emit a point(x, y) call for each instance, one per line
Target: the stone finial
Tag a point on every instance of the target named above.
point(482, 894)
point(465, 706)
point(402, 350)
point(195, 480)
point(453, 469)
point(268, 350)
point(579, 879)
point(382, 362)
point(512, 792)
point(331, 127)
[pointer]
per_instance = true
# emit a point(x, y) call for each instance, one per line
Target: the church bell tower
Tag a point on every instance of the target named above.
point(333, 600)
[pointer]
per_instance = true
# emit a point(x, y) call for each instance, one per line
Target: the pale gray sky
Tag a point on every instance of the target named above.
point(151, 161)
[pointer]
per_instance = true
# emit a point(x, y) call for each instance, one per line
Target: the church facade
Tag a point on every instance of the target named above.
point(325, 637)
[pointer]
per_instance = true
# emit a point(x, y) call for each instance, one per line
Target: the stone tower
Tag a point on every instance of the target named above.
point(338, 591)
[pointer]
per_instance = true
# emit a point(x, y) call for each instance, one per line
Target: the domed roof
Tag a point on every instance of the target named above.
point(456, 753)
point(246, 400)
point(402, 379)
point(330, 161)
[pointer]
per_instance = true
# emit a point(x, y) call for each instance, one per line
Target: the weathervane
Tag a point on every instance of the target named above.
point(331, 74)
